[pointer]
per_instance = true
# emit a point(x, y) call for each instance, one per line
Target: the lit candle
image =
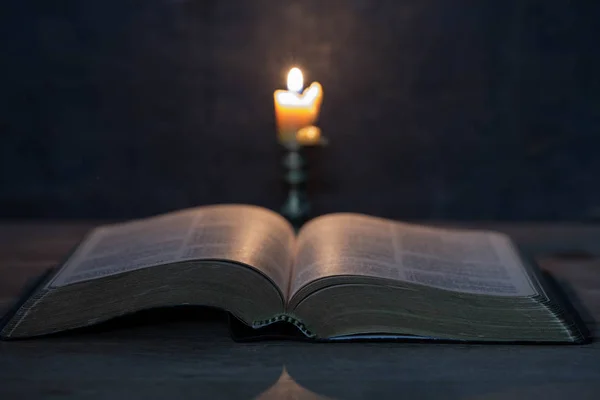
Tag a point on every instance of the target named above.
point(309, 136)
point(295, 109)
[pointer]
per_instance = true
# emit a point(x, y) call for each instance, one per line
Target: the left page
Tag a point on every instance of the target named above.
point(246, 234)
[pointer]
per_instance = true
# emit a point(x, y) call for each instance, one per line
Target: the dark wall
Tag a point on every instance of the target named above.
point(434, 108)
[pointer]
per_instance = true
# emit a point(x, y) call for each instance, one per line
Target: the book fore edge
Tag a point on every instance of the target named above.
point(285, 318)
point(573, 328)
point(17, 318)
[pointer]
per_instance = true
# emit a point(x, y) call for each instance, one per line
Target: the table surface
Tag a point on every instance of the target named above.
point(197, 358)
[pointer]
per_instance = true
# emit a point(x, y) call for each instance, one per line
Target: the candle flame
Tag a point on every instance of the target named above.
point(295, 80)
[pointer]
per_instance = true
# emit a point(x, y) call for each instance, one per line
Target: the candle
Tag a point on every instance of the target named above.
point(295, 109)
point(309, 136)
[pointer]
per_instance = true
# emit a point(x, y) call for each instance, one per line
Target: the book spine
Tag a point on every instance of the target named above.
point(285, 318)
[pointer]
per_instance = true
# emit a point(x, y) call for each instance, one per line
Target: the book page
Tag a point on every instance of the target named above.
point(458, 260)
point(245, 234)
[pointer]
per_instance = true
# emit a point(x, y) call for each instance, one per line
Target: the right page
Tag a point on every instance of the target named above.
point(477, 262)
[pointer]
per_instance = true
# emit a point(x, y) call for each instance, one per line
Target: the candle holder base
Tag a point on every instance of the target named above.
point(296, 208)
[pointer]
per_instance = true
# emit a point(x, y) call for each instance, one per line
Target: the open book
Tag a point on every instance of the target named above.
point(343, 276)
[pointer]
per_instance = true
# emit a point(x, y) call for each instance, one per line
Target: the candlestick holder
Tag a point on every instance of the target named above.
point(297, 205)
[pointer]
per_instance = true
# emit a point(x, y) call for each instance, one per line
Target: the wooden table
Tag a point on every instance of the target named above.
point(198, 359)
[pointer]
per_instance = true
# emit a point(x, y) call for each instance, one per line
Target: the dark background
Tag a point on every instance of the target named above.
point(461, 109)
